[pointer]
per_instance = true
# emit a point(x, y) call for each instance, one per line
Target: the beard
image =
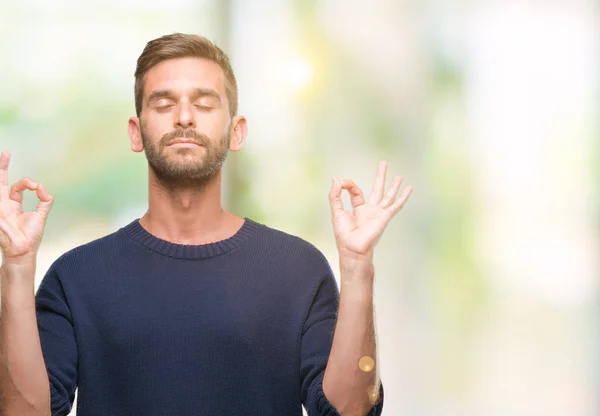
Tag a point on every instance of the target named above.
point(183, 168)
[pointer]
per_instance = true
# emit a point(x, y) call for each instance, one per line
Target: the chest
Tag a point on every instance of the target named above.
point(189, 313)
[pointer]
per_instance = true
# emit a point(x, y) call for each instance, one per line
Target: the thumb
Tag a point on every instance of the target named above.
point(46, 201)
point(335, 200)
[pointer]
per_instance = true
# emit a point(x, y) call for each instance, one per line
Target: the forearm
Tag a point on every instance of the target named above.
point(352, 388)
point(24, 385)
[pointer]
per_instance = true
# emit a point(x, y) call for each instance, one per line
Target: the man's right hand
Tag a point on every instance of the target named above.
point(20, 232)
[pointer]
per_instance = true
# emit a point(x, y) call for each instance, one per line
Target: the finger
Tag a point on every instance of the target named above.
point(397, 206)
point(356, 196)
point(335, 200)
point(46, 201)
point(4, 160)
point(16, 191)
point(390, 197)
point(378, 186)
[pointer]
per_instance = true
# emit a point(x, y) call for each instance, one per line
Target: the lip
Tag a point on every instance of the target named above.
point(182, 142)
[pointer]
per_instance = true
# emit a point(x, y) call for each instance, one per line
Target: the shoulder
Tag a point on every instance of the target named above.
point(292, 248)
point(303, 268)
point(96, 251)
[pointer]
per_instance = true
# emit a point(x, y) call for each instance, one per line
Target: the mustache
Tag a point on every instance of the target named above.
point(200, 138)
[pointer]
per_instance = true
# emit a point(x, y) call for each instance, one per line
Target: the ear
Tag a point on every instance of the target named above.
point(135, 134)
point(237, 133)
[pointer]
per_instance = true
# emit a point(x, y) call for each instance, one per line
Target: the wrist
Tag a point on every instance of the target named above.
point(352, 256)
point(357, 273)
point(19, 263)
point(351, 262)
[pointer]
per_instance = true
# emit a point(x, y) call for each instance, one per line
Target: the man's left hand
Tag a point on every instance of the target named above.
point(357, 232)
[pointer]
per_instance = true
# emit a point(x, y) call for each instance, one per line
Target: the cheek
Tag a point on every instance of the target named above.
point(213, 127)
point(154, 130)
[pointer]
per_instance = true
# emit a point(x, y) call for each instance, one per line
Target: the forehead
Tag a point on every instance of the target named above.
point(185, 74)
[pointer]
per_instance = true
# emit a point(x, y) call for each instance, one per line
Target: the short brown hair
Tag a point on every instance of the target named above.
point(181, 45)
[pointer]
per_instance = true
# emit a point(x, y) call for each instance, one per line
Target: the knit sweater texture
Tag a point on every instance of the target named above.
point(142, 326)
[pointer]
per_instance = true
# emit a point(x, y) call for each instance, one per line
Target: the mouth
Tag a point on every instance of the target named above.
point(184, 143)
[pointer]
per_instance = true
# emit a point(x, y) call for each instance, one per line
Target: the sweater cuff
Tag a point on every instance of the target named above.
point(59, 406)
point(327, 409)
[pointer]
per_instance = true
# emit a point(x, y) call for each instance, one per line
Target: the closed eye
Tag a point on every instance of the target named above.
point(203, 107)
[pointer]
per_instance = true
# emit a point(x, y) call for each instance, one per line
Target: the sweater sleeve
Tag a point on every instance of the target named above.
point(57, 338)
point(317, 338)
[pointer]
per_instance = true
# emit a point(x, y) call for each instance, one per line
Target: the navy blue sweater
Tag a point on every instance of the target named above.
point(142, 326)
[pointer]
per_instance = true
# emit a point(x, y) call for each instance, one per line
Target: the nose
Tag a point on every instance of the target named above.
point(185, 116)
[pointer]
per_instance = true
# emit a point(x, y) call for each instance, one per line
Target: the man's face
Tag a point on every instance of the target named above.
point(185, 120)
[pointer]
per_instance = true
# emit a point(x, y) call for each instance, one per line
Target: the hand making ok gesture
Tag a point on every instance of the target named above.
point(20, 232)
point(357, 232)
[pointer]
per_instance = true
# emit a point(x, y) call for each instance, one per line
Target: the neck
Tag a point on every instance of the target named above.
point(189, 214)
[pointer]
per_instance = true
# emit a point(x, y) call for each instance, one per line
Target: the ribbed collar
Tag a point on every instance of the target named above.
point(185, 251)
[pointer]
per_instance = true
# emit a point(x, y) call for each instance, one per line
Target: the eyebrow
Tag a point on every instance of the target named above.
point(196, 93)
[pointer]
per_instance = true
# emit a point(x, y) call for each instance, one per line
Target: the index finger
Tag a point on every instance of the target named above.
point(356, 195)
point(4, 160)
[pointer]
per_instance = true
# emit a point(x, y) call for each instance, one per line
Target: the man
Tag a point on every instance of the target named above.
point(190, 310)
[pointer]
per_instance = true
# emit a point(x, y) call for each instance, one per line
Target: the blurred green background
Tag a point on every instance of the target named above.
point(486, 282)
